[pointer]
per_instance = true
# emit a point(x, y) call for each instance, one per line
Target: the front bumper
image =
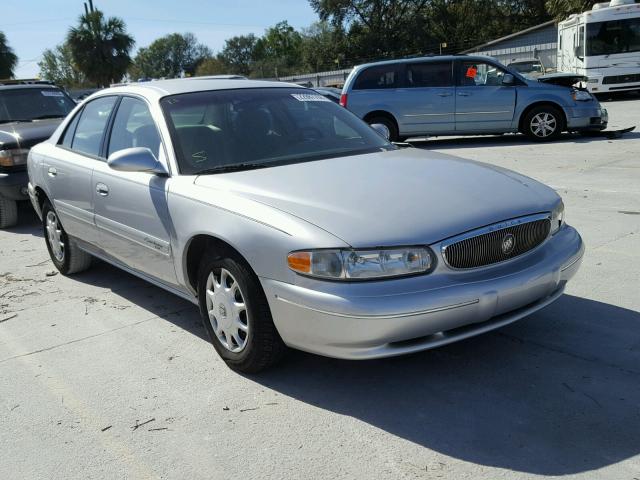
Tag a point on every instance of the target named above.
point(14, 185)
point(587, 118)
point(395, 317)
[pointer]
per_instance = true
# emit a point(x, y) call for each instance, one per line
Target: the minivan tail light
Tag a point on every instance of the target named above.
point(343, 100)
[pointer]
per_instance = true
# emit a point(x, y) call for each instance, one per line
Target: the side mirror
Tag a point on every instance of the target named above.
point(508, 80)
point(578, 52)
point(137, 159)
point(381, 130)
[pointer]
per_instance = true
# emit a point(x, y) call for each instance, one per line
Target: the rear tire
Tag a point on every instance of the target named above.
point(543, 123)
point(389, 123)
point(8, 212)
point(65, 254)
point(236, 314)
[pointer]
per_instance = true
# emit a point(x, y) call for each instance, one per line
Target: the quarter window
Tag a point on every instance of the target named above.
point(479, 74)
point(91, 126)
point(67, 138)
point(133, 127)
point(432, 74)
point(384, 76)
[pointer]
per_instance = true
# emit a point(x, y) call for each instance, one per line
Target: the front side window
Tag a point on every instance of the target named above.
point(91, 126)
point(431, 74)
point(133, 127)
point(383, 76)
point(246, 128)
point(480, 74)
point(29, 104)
point(615, 36)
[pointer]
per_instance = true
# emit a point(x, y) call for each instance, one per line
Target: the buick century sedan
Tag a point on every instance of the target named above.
point(292, 223)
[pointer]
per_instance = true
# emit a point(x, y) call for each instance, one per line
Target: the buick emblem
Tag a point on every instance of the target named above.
point(222, 310)
point(508, 243)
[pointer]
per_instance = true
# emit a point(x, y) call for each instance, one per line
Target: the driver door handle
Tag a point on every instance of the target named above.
point(444, 94)
point(463, 94)
point(52, 171)
point(102, 189)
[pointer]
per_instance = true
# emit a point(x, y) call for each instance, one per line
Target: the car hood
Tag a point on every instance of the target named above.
point(401, 197)
point(27, 134)
point(562, 79)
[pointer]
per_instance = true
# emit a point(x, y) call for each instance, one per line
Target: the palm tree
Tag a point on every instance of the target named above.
point(100, 47)
point(8, 59)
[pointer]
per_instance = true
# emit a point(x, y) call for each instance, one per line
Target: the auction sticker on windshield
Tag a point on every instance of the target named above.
point(51, 93)
point(309, 97)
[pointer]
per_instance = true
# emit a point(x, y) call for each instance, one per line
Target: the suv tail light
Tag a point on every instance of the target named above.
point(343, 100)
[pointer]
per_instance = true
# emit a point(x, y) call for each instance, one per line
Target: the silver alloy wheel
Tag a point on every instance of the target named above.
point(54, 233)
point(543, 124)
point(227, 310)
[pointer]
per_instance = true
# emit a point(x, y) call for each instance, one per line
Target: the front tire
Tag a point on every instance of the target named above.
point(65, 254)
point(8, 212)
point(543, 123)
point(394, 136)
point(236, 315)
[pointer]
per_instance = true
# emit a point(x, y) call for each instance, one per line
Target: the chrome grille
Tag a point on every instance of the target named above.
point(487, 246)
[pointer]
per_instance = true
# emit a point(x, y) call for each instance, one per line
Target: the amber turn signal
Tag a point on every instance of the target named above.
point(300, 261)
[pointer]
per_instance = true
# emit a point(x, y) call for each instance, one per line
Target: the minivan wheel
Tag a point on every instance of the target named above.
point(64, 252)
point(387, 122)
point(8, 212)
point(236, 315)
point(543, 123)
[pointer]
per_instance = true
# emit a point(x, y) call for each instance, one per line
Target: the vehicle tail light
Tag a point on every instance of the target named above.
point(343, 100)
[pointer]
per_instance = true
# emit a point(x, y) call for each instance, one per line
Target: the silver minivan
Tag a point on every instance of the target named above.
point(468, 95)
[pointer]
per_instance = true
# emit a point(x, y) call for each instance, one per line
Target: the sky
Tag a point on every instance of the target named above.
point(31, 26)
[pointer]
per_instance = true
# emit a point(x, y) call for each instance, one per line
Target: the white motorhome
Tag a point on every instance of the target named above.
point(603, 44)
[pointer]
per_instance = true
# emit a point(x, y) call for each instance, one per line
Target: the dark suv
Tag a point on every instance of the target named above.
point(29, 114)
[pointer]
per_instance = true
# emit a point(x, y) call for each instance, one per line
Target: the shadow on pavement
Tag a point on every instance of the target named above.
point(555, 394)
point(507, 140)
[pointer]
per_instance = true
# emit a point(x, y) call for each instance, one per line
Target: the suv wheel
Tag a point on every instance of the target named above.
point(543, 124)
point(8, 212)
point(390, 124)
point(236, 315)
point(65, 254)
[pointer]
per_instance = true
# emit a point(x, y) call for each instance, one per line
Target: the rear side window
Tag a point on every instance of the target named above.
point(133, 127)
point(67, 138)
point(383, 76)
point(431, 74)
point(91, 126)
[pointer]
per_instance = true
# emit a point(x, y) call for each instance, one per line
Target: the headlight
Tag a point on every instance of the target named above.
point(557, 218)
point(361, 264)
point(581, 96)
point(14, 156)
point(593, 80)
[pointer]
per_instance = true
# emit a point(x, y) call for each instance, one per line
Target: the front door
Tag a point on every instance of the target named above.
point(483, 104)
point(70, 171)
point(131, 207)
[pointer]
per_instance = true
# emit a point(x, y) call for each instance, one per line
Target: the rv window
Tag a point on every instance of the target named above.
point(614, 36)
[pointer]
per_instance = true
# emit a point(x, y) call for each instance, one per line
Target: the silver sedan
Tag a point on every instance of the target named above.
point(290, 222)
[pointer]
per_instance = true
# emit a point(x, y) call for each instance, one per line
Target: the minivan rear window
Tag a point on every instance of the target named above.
point(429, 74)
point(383, 76)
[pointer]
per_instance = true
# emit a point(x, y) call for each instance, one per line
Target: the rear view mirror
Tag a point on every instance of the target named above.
point(382, 130)
point(508, 79)
point(138, 159)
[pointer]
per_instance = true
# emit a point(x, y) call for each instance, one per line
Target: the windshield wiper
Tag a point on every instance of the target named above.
point(232, 168)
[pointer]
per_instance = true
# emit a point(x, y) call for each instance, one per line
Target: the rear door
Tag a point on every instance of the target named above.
point(430, 102)
point(69, 172)
point(131, 210)
point(483, 104)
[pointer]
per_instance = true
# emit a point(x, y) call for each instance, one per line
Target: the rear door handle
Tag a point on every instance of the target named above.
point(102, 189)
point(53, 171)
point(463, 94)
point(444, 94)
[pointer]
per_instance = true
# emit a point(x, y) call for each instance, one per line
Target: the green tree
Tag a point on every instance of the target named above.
point(211, 66)
point(169, 56)
point(278, 50)
point(561, 9)
point(323, 47)
point(8, 59)
point(100, 47)
point(57, 66)
point(239, 53)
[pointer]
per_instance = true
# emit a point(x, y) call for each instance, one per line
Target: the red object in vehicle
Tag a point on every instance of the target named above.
point(343, 100)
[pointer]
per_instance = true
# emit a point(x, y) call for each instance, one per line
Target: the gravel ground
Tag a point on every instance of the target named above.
point(104, 376)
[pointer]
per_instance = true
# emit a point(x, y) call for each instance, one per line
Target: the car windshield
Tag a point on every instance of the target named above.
point(614, 36)
point(27, 104)
point(223, 130)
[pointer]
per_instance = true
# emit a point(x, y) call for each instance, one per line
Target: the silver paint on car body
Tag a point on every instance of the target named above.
point(147, 223)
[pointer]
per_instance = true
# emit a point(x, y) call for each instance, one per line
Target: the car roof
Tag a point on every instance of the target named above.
point(21, 86)
point(161, 88)
point(432, 58)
